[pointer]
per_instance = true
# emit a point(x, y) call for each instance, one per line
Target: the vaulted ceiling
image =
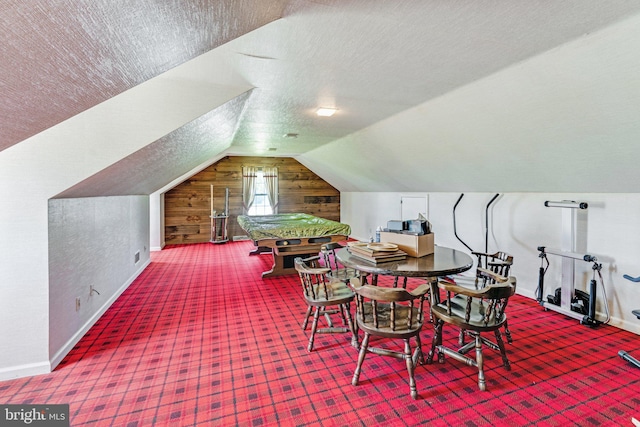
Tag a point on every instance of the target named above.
point(431, 96)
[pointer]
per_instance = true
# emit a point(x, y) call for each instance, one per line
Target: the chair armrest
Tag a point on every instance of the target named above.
point(499, 262)
point(355, 282)
point(480, 253)
point(420, 290)
point(308, 269)
point(317, 270)
point(462, 290)
point(332, 245)
point(479, 293)
point(484, 272)
point(382, 293)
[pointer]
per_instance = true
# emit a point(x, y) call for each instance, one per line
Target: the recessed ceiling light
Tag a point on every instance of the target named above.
point(326, 112)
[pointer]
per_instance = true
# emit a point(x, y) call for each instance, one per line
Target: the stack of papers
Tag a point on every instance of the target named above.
point(376, 252)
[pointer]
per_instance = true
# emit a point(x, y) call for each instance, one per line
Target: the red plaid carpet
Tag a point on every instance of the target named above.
point(200, 339)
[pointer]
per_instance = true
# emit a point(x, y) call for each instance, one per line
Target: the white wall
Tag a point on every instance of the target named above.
point(156, 221)
point(519, 223)
point(41, 167)
point(92, 243)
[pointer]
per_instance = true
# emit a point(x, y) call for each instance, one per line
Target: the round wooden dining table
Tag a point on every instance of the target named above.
point(442, 262)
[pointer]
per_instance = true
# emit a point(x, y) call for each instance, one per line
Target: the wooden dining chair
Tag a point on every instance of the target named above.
point(500, 263)
point(325, 297)
point(338, 271)
point(392, 313)
point(477, 311)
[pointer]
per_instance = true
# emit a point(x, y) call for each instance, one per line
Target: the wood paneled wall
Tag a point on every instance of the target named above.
point(187, 206)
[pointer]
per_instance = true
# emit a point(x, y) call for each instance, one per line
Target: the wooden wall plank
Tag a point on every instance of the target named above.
point(187, 206)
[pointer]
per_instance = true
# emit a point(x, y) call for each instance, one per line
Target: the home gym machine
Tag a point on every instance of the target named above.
point(567, 300)
point(486, 223)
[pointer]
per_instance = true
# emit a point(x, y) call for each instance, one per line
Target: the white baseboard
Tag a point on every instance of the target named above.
point(60, 354)
point(27, 370)
point(633, 327)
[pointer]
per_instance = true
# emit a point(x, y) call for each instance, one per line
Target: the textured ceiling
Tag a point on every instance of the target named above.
point(373, 59)
point(61, 57)
point(370, 59)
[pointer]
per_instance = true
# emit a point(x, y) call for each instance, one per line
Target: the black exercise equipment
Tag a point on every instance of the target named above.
point(582, 304)
point(486, 223)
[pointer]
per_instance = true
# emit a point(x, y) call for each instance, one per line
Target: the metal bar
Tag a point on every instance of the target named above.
point(567, 254)
point(455, 232)
point(566, 204)
point(486, 227)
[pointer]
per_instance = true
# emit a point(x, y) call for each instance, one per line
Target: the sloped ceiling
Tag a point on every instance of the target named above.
point(565, 121)
point(407, 78)
point(61, 57)
point(168, 158)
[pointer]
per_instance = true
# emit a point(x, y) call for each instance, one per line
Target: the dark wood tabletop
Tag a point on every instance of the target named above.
point(442, 262)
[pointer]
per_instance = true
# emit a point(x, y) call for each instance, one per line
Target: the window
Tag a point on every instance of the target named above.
point(260, 190)
point(261, 205)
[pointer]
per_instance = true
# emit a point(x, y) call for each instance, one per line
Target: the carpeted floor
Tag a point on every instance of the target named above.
point(200, 339)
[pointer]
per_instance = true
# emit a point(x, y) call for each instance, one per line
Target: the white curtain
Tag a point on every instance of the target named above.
point(248, 186)
point(271, 182)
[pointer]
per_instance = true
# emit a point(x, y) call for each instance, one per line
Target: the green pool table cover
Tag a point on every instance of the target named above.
point(282, 226)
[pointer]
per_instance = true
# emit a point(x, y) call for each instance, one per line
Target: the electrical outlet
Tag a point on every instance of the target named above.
point(77, 304)
point(136, 257)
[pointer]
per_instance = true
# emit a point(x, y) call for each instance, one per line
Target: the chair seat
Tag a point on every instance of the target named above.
point(337, 292)
point(477, 320)
point(342, 274)
point(386, 327)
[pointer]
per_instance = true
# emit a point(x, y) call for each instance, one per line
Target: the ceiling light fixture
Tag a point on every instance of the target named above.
point(290, 135)
point(326, 112)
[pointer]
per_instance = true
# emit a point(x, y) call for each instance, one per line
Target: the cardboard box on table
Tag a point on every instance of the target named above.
point(415, 246)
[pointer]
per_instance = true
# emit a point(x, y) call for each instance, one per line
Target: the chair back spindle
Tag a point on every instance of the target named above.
point(336, 271)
